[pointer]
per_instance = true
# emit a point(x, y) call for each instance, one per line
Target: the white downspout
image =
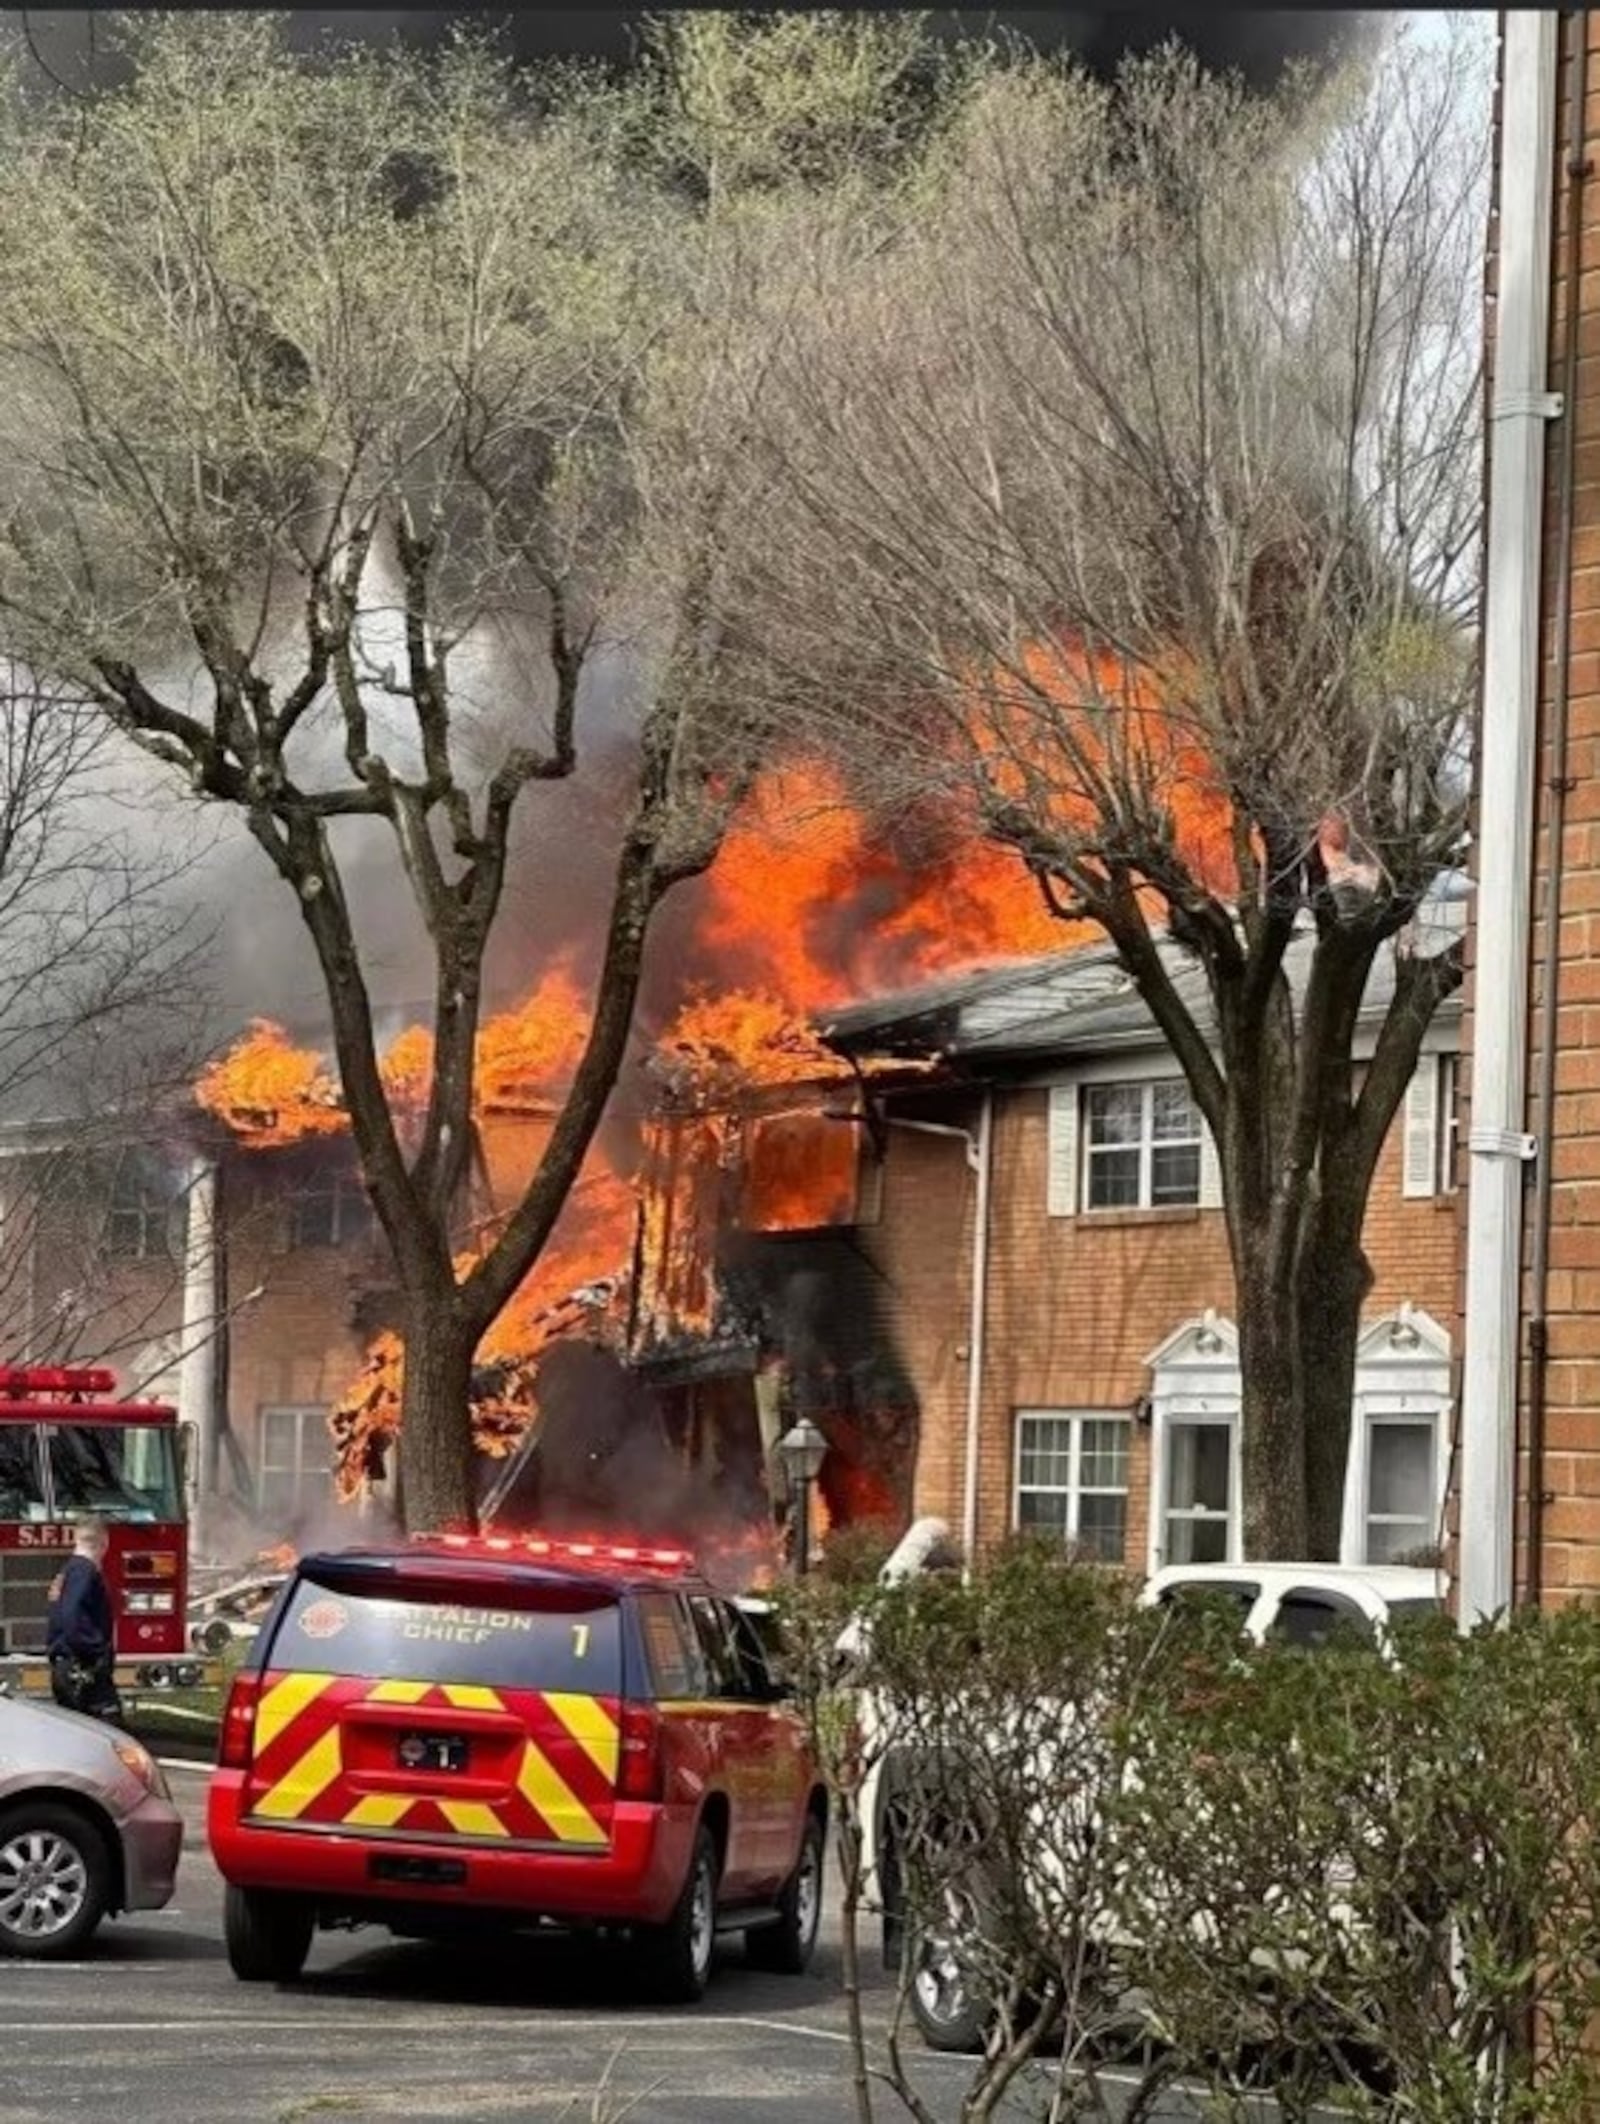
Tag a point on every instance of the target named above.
point(982, 1157)
point(197, 1375)
point(1498, 1142)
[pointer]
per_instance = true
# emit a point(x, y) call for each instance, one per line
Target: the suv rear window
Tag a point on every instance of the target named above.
point(563, 1638)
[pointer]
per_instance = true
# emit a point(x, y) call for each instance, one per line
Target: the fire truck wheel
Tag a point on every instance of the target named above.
point(785, 1948)
point(674, 1960)
point(268, 1936)
point(55, 1879)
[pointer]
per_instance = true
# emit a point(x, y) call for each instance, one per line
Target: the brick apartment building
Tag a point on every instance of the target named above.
point(1039, 1248)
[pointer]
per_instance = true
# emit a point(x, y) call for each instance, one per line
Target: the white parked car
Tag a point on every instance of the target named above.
point(1303, 1604)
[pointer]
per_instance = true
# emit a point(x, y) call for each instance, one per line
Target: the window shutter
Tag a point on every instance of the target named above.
point(1062, 1151)
point(1419, 1174)
point(1210, 1170)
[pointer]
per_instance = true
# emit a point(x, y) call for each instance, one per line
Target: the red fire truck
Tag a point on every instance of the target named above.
point(66, 1449)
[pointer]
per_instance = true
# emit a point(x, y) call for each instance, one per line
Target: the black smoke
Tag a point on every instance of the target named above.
point(72, 45)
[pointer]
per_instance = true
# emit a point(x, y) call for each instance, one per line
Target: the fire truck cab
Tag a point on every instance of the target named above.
point(68, 1448)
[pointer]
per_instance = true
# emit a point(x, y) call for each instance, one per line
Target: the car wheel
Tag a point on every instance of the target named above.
point(786, 1948)
point(268, 1936)
point(55, 1879)
point(951, 2014)
point(674, 1959)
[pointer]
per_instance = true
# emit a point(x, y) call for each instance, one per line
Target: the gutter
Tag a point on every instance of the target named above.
point(1560, 784)
point(982, 1157)
point(1498, 1143)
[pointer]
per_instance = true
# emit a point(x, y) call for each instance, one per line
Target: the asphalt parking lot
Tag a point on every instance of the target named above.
point(150, 2027)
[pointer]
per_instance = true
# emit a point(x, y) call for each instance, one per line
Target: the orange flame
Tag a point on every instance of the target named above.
point(810, 900)
point(271, 1093)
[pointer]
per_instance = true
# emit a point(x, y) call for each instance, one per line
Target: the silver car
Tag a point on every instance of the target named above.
point(87, 1828)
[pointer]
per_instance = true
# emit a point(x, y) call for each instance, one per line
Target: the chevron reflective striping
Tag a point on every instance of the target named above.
point(379, 1810)
point(283, 1704)
point(297, 1788)
point(468, 1696)
point(591, 1726)
point(399, 1692)
point(544, 1788)
point(472, 1818)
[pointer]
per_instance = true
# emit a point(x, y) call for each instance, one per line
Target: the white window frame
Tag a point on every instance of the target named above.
point(1428, 1127)
point(1075, 1491)
point(1378, 1418)
point(145, 1204)
point(1195, 1375)
point(321, 1467)
point(1066, 1151)
point(1402, 1375)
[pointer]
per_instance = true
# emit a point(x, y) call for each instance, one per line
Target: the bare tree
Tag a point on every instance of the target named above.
point(360, 414)
point(102, 956)
point(1130, 497)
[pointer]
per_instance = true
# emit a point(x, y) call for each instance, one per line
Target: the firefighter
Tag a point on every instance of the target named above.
point(79, 1629)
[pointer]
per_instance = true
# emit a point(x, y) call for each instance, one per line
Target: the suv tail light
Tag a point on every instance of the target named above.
point(639, 1759)
point(236, 1736)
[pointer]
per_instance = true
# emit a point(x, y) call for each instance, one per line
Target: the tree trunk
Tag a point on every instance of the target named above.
point(436, 1456)
point(1335, 1284)
point(1272, 1448)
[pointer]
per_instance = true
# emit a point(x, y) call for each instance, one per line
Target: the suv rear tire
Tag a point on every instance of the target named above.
point(786, 1948)
point(674, 1959)
point(268, 1936)
point(55, 1879)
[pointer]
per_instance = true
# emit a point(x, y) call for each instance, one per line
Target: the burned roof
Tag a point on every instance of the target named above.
point(1083, 1001)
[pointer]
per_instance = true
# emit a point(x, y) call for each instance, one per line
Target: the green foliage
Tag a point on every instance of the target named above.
point(1360, 1874)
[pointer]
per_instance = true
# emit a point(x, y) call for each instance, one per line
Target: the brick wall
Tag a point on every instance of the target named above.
point(1077, 1304)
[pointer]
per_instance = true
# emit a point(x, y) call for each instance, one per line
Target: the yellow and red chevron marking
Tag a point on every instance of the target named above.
point(543, 1767)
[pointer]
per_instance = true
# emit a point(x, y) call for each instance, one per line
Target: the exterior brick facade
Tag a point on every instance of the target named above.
point(1076, 1305)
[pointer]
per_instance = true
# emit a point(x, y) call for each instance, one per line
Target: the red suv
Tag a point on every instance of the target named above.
point(463, 1732)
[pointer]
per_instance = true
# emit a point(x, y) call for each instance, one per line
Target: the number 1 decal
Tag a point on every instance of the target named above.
point(580, 1640)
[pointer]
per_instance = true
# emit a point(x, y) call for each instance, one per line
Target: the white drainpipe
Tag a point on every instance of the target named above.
point(197, 1376)
point(1498, 1142)
point(982, 1157)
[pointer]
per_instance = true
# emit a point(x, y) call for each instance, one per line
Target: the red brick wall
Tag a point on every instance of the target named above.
point(1077, 1304)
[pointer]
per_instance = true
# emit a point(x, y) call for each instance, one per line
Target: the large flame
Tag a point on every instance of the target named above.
point(271, 1093)
point(812, 899)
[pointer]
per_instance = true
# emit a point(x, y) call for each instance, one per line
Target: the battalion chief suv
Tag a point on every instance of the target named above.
point(495, 1733)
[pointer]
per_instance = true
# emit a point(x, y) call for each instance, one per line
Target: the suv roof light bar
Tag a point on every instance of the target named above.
point(654, 1555)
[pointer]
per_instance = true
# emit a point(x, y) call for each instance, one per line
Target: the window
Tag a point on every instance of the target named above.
point(21, 1480)
point(139, 1219)
point(1401, 1512)
point(1072, 1480)
point(1429, 1128)
point(1228, 1595)
point(1449, 1126)
point(329, 1209)
point(1311, 1619)
point(124, 1471)
point(296, 1462)
point(677, 1667)
point(1141, 1145)
point(1199, 1493)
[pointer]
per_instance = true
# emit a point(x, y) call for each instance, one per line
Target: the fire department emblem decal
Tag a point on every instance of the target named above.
point(323, 1619)
point(413, 1752)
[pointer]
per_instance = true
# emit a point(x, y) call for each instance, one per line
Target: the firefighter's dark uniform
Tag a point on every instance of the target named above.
point(78, 1640)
